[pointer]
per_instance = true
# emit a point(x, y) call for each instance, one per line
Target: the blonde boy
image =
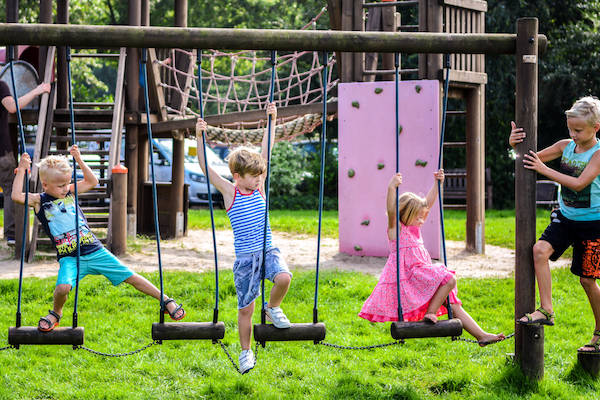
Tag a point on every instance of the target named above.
point(245, 204)
point(55, 209)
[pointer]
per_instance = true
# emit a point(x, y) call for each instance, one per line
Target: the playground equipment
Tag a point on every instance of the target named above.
point(526, 46)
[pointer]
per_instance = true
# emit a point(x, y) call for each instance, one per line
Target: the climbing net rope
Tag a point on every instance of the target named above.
point(239, 82)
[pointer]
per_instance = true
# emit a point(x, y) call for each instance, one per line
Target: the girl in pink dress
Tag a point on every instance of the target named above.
point(424, 286)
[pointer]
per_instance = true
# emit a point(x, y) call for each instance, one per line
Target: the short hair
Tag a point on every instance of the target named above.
point(57, 164)
point(409, 205)
point(587, 108)
point(245, 161)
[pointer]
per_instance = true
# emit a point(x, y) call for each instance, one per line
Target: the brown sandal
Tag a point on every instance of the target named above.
point(51, 325)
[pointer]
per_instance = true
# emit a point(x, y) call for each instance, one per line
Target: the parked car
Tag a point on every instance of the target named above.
point(194, 177)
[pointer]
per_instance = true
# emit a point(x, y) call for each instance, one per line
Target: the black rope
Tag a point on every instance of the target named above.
point(26, 204)
point(321, 184)
point(73, 142)
point(154, 200)
point(440, 156)
point(210, 202)
point(264, 252)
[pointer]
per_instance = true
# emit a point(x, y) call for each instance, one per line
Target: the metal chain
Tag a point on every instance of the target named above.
point(461, 339)
point(99, 353)
point(10, 346)
point(226, 350)
point(374, 346)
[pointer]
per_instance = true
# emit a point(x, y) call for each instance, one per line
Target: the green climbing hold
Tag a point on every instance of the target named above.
point(366, 222)
point(399, 129)
point(378, 90)
point(351, 173)
point(355, 104)
point(380, 165)
point(418, 88)
point(421, 163)
point(357, 248)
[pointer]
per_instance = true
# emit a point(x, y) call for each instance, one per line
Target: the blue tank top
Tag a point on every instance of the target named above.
point(57, 216)
point(247, 217)
point(585, 204)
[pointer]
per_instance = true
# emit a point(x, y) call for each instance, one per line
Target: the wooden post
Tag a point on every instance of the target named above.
point(143, 145)
point(132, 105)
point(358, 24)
point(528, 350)
point(62, 83)
point(388, 24)
point(119, 210)
point(347, 69)
point(475, 171)
point(44, 18)
point(590, 363)
point(373, 25)
point(334, 9)
point(12, 12)
point(178, 165)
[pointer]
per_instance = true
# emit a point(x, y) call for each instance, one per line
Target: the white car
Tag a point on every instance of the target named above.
point(194, 177)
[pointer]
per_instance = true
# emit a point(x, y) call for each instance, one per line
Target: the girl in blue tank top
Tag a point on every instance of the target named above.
point(577, 222)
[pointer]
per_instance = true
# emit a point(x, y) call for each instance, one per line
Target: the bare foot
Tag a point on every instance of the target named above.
point(490, 338)
point(430, 317)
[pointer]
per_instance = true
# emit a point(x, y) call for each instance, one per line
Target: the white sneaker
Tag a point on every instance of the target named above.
point(277, 317)
point(247, 361)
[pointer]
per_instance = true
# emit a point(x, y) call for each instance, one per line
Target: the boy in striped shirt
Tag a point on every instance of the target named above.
point(245, 204)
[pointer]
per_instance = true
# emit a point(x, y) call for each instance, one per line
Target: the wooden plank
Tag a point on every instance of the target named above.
point(347, 68)
point(219, 119)
point(373, 25)
point(478, 78)
point(388, 24)
point(118, 110)
point(155, 91)
point(422, 14)
point(476, 5)
point(468, 57)
point(358, 24)
point(420, 329)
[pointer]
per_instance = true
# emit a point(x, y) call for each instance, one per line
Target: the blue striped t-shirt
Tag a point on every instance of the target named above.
point(247, 217)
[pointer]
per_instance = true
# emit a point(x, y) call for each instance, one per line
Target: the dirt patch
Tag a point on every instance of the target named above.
point(195, 253)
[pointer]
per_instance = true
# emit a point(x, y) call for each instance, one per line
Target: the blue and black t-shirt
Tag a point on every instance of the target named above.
point(57, 216)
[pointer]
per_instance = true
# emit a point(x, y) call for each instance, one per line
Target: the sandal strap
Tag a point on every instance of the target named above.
point(529, 317)
point(169, 301)
point(55, 315)
point(179, 307)
point(593, 345)
point(546, 314)
point(597, 332)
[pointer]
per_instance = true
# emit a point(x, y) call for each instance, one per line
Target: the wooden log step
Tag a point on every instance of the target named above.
point(414, 330)
point(188, 331)
point(31, 335)
point(268, 333)
point(84, 125)
point(98, 137)
point(590, 363)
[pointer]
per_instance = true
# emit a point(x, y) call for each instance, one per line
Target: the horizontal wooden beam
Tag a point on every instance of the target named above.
point(244, 116)
point(259, 39)
point(476, 5)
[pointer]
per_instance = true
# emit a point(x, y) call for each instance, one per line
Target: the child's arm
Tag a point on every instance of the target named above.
point(18, 196)
point(433, 192)
point(89, 180)
point(391, 200)
point(223, 185)
point(592, 170)
point(272, 113)
point(517, 135)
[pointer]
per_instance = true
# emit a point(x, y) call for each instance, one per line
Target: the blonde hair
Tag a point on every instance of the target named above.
point(587, 108)
point(54, 164)
point(409, 206)
point(245, 161)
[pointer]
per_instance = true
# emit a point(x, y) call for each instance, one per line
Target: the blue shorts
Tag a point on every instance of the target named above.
point(247, 270)
point(100, 262)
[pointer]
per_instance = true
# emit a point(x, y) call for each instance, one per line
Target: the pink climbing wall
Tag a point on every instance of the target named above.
point(366, 140)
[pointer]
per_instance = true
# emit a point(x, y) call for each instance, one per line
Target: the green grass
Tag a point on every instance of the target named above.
point(297, 221)
point(119, 319)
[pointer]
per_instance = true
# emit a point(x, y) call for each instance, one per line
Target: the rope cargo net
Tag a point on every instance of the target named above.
point(239, 82)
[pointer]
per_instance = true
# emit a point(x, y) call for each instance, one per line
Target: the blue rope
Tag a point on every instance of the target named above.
point(26, 206)
point(73, 142)
point(264, 253)
point(210, 202)
point(440, 155)
point(321, 183)
point(397, 133)
point(154, 200)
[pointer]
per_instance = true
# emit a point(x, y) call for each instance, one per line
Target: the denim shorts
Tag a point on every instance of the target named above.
point(247, 273)
point(100, 262)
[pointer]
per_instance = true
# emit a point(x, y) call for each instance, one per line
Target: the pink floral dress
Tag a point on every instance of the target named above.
point(419, 280)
